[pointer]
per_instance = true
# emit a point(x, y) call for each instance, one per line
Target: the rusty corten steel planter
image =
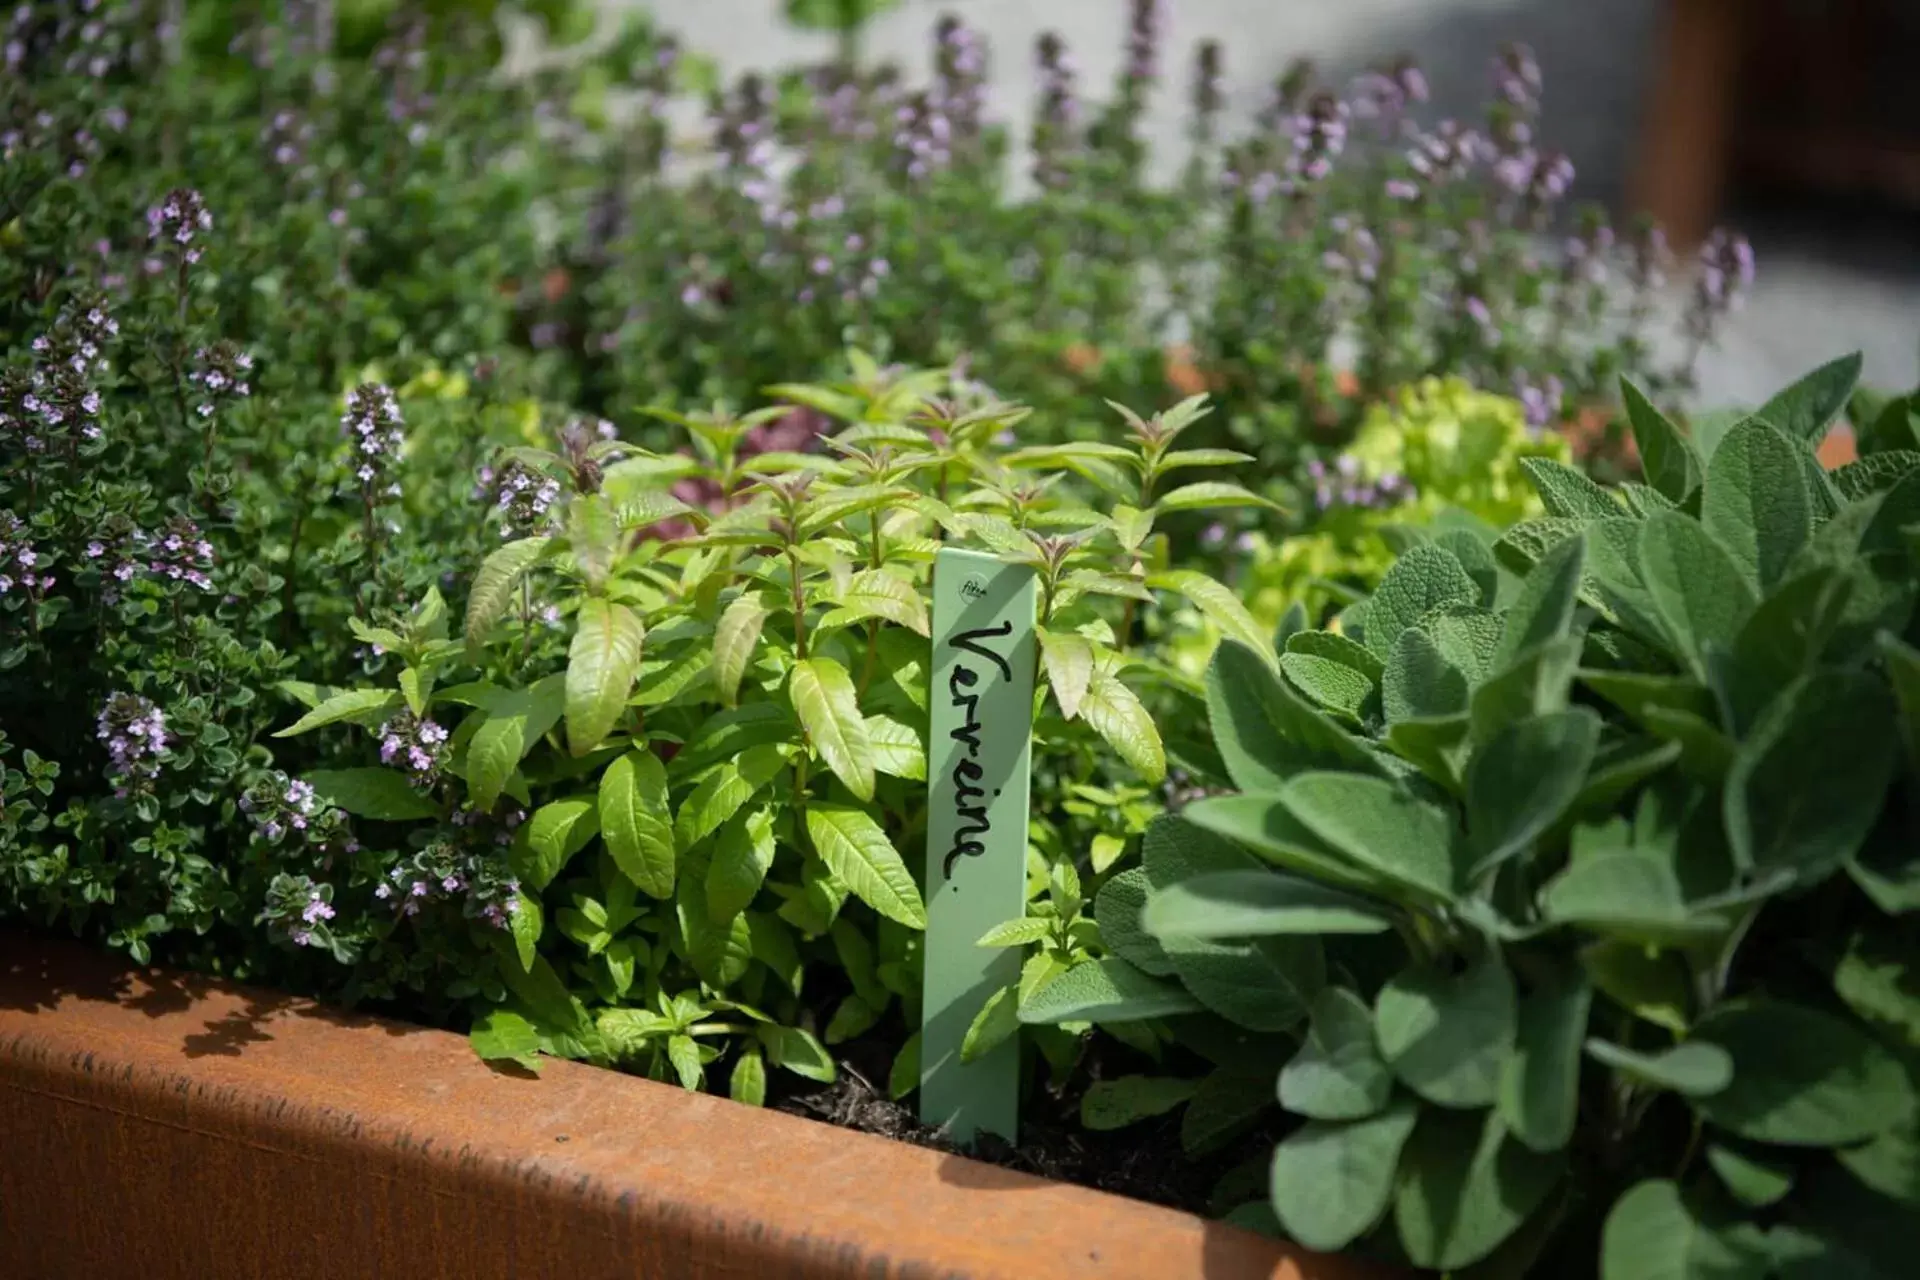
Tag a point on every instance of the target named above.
point(163, 1126)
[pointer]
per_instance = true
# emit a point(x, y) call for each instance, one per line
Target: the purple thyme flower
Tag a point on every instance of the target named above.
point(1319, 136)
point(1054, 118)
point(372, 423)
point(415, 745)
point(1541, 401)
point(1146, 28)
point(524, 498)
point(1516, 78)
point(134, 731)
point(1207, 95)
point(1726, 273)
point(221, 374)
point(177, 221)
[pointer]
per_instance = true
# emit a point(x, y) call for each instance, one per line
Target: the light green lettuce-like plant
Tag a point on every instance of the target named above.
point(1577, 869)
point(717, 736)
point(1438, 454)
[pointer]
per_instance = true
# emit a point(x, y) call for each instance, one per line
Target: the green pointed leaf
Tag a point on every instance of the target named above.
point(556, 831)
point(1244, 904)
point(995, 1023)
point(1115, 1104)
point(636, 822)
point(1023, 932)
point(1419, 683)
point(1217, 604)
point(876, 593)
point(1265, 732)
point(1524, 780)
point(1543, 610)
point(1875, 473)
point(1338, 1074)
point(1332, 1180)
point(748, 1083)
point(1756, 504)
point(1422, 580)
point(735, 637)
point(1874, 978)
point(1447, 1036)
point(1522, 546)
point(1465, 1187)
point(352, 704)
point(502, 1035)
point(1698, 592)
point(1265, 825)
point(1536, 684)
point(381, 794)
point(1114, 712)
point(719, 951)
point(1069, 662)
point(1335, 686)
point(525, 923)
point(1695, 1068)
point(1808, 783)
point(1667, 456)
point(897, 749)
point(1567, 493)
point(797, 1051)
point(823, 697)
point(1118, 908)
point(1333, 648)
point(601, 665)
point(1628, 894)
point(1801, 1077)
point(1380, 827)
point(904, 1076)
point(1753, 1178)
point(514, 725)
point(1653, 1234)
point(1108, 990)
point(1804, 410)
point(742, 856)
point(494, 585)
point(1782, 640)
point(722, 792)
point(857, 851)
point(1209, 495)
point(1890, 1164)
point(1540, 1086)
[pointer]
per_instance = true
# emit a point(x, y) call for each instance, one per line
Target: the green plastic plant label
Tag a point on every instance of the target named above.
point(979, 758)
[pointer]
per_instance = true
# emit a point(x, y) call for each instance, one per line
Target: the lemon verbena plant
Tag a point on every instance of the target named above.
point(682, 746)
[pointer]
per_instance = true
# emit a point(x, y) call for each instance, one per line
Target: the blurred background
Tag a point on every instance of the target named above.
point(1796, 120)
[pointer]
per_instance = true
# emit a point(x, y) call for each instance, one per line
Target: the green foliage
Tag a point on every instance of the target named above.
point(709, 777)
point(1627, 821)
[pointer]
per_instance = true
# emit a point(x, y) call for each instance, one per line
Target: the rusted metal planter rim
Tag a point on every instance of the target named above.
point(166, 1126)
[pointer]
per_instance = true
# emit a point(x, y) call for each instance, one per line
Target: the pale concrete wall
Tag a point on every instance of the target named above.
point(1593, 52)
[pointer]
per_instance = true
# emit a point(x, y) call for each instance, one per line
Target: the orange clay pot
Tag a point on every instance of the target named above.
point(1839, 448)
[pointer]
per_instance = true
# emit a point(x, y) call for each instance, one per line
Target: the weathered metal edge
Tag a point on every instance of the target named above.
point(170, 1126)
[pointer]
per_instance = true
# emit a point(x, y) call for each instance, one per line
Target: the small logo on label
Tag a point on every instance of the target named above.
point(974, 588)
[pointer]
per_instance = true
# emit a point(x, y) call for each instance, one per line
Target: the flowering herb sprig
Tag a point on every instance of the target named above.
point(134, 732)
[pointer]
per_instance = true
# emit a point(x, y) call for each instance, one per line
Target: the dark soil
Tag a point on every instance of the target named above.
point(1143, 1161)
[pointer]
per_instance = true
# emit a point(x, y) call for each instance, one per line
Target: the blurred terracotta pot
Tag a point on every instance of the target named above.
point(1082, 359)
point(1839, 448)
point(1186, 377)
